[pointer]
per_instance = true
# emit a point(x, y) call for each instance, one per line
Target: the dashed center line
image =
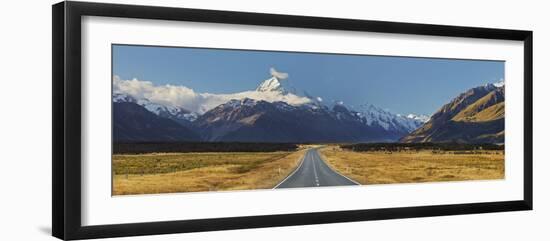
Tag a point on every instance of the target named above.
point(314, 170)
point(301, 176)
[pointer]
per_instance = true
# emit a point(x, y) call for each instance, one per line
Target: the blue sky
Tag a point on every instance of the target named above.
point(400, 84)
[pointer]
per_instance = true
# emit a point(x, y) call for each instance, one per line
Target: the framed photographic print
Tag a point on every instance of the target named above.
point(170, 120)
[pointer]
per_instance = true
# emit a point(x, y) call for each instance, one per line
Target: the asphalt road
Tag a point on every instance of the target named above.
point(314, 172)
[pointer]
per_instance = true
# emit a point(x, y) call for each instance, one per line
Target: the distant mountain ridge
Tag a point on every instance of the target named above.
point(178, 114)
point(373, 115)
point(475, 116)
point(133, 122)
point(250, 120)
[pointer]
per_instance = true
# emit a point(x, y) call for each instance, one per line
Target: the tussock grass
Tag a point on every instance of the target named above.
point(196, 172)
point(379, 167)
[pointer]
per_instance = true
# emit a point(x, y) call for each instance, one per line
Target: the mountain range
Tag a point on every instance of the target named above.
point(133, 122)
point(270, 113)
point(475, 116)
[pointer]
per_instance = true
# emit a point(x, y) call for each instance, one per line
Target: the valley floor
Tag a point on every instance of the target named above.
point(379, 167)
point(195, 172)
point(222, 171)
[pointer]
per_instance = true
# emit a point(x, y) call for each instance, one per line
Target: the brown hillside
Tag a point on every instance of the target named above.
point(475, 116)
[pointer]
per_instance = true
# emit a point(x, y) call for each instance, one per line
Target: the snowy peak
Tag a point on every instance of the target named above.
point(271, 84)
point(274, 83)
point(389, 121)
point(499, 84)
point(172, 112)
point(492, 86)
point(275, 92)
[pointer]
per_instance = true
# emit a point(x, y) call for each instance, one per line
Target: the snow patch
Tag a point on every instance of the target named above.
point(499, 84)
point(422, 118)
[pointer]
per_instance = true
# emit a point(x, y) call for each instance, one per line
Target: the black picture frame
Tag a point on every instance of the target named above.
point(66, 75)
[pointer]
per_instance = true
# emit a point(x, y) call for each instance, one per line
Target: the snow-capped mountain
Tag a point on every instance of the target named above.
point(270, 90)
point(499, 83)
point(373, 115)
point(272, 84)
point(172, 112)
point(270, 112)
point(249, 120)
point(132, 122)
point(370, 114)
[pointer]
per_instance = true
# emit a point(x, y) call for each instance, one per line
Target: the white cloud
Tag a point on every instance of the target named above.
point(170, 95)
point(181, 96)
point(277, 74)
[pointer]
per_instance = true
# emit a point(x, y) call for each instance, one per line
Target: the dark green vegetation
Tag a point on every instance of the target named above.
point(361, 147)
point(171, 147)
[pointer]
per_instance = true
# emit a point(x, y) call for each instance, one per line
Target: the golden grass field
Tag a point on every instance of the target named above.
point(378, 167)
point(195, 172)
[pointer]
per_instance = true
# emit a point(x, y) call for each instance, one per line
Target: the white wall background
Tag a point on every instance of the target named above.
point(25, 123)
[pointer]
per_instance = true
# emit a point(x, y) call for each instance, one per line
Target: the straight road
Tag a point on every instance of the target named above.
point(314, 172)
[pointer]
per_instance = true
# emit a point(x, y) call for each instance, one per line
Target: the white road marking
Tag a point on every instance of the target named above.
point(351, 180)
point(298, 168)
point(315, 170)
point(314, 162)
